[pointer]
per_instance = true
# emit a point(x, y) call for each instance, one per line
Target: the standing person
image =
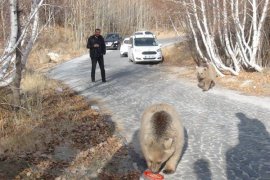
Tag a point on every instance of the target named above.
point(97, 47)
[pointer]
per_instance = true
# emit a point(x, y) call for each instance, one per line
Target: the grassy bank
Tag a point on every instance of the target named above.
point(54, 134)
point(180, 61)
point(55, 40)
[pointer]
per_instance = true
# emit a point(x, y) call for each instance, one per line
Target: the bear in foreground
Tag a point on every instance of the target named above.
point(206, 76)
point(161, 137)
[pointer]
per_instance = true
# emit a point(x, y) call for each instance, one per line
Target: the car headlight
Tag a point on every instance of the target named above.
point(115, 42)
point(159, 50)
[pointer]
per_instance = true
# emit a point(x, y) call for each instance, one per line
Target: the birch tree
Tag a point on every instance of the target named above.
point(20, 44)
point(229, 32)
point(7, 60)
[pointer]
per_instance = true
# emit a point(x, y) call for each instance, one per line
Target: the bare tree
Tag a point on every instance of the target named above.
point(20, 43)
point(7, 60)
point(18, 60)
point(3, 17)
point(229, 35)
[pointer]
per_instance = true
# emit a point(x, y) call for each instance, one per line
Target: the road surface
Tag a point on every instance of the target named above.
point(227, 133)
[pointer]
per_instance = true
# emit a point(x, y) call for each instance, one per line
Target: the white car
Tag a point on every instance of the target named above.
point(144, 48)
point(144, 33)
point(124, 47)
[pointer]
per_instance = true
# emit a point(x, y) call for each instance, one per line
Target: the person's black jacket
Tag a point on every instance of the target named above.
point(96, 52)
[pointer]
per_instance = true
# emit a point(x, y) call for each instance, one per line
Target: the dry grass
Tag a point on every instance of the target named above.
point(35, 88)
point(252, 83)
point(165, 34)
point(34, 83)
point(178, 55)
point(57, 40)
point(51, 114)
point(182, 64)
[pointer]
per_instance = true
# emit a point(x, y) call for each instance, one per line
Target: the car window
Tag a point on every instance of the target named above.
point(147, 32)
point(112, 36)
point(145, 42)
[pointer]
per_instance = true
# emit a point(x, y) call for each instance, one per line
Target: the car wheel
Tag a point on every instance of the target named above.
point(133, 60)
point(130, 59)
point(162, 59)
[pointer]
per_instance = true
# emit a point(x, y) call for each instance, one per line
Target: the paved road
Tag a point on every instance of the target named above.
point(227, 133)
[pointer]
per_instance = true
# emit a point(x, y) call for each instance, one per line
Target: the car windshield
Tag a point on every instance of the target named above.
point(145, 42)
point(111, 36)
point(138, 33)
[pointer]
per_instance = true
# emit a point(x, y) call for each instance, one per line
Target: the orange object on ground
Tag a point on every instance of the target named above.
point(151, 176)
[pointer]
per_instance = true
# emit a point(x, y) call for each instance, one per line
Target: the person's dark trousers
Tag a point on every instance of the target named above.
point(100, 61)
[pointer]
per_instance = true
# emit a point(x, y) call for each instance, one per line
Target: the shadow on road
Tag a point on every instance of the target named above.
point(122, 77)
point(128, 162)
point(202, 170)
point(250, 159)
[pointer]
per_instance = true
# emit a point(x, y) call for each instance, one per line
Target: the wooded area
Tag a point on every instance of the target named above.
point(123, 16)
point(24, 22)
point(231, 34)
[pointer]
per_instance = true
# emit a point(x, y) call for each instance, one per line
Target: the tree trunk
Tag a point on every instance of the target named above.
point(18, 65)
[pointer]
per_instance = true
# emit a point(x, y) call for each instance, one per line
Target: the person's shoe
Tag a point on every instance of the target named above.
point(104, 81)
point(93, 80)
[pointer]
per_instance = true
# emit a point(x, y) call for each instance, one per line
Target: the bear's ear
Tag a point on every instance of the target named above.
point(168, 143)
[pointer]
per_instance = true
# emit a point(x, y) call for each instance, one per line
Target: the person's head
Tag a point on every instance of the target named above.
point(97, 32)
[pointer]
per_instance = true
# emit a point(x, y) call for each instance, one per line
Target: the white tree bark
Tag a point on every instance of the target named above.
point(175, 29)
point(240, 40)
point(194, 34)
point(227, 40)
point(34, 32)
point(257, 31)
point(7, 66)
point(5, 76)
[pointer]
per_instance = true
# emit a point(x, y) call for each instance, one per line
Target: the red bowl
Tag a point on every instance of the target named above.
point(151, 176)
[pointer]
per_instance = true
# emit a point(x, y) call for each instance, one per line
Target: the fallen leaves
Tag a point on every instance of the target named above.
point(65, 118)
